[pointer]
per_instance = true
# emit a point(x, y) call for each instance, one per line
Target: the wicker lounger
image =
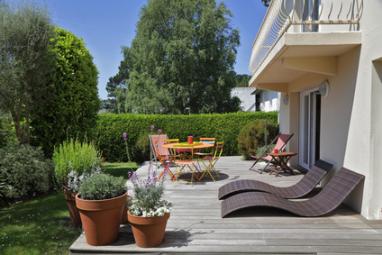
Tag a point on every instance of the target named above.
point(331, 196)
point(300, 189)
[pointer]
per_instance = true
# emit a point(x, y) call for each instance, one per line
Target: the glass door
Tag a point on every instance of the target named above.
point(310, 121)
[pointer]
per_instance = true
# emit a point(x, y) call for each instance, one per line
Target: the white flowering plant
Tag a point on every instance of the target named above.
point(75, 179)
point(147, 200)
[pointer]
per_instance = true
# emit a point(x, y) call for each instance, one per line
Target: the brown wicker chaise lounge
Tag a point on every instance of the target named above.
point(331, 196)
point(300, 189)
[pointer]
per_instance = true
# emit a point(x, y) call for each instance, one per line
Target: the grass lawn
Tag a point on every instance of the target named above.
point(42, 225)
point(38, 226)
point(119, 168)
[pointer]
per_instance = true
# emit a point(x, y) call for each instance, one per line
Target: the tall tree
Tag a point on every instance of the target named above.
point(48, 82)
point(72, 109)
point(24, 63)
point(182, 58)
point(117, 85)
point(242, 80)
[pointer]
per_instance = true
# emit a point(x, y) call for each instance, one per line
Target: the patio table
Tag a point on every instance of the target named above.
point(195, 146)
point(281, 160)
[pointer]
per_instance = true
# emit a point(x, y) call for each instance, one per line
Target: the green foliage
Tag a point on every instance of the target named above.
point(72, 111)
point(102, 186)
point(255, 135)
point(24, 173)
point(242, 80)
point(38, 226)
point(225, 127)
point(119, 169)
point(73, 155)
point(25, 64)
point(7, 133)
point(147, 201)
point(48, 82)
point(180, 61)
point(117, 85)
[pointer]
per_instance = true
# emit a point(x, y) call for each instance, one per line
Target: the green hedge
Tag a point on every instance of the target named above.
point(225, 127)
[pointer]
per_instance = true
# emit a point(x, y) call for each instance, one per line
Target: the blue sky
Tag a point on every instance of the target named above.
point(107, 25)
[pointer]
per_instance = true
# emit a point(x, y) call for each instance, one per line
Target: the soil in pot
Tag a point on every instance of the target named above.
point(70, 198)
point(101, 218)
point(148, 231)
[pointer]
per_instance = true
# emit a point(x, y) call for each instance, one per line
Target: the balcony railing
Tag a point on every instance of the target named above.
point(303, 16)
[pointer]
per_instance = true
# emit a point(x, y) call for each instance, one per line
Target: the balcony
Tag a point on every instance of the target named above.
point(294, 30)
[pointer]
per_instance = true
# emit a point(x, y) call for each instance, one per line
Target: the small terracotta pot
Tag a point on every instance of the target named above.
point(101, 218)
point(148, 231)
point(70, 198)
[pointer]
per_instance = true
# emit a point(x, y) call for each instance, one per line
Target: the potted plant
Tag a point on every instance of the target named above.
point(73, 163)
point(148, 212)
point(101, 201)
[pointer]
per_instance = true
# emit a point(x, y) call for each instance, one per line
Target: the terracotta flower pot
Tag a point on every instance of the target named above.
point(70, 198)
point(101, 218)
point(125, 209)
point(148, 231)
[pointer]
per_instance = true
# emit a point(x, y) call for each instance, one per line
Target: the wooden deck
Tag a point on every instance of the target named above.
point(195, 225)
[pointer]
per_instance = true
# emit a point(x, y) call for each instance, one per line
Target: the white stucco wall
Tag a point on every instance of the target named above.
point(269, 101)
point(351, 114)
point(246, 97)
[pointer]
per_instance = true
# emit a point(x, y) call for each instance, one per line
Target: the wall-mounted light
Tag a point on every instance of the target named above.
point(324, 88)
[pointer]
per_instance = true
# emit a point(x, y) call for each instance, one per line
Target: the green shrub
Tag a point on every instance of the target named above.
point(24, 172)
point(7, 132)
point(71, 109)
point(102, 186)
point(77, 157)
point(225, 127)
point(255, 136)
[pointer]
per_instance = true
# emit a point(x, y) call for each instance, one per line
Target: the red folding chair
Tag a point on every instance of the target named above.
point(280, 142)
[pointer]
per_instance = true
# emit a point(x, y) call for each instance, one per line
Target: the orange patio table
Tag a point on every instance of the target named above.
point(195, 146)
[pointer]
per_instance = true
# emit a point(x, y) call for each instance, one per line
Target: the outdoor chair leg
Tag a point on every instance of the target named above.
point(256, 161)
point(266, 166)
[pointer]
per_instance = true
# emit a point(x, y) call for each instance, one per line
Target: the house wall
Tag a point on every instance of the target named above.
point(351, 118)
point(269, 101)
point(376, 140)
point(247, 99)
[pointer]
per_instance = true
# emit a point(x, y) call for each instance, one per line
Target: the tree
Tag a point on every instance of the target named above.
point(72, 110)
point(266, 2)
point(24, 63)
point(117, 85)
point(48, 82)
point(242, 80)
point(181, 59)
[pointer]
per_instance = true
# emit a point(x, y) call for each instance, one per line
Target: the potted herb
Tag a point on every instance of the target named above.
point(74, 161)
point(148, 212)
point(101, 201)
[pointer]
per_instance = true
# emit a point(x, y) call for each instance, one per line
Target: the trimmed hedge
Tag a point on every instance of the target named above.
point(225, 127)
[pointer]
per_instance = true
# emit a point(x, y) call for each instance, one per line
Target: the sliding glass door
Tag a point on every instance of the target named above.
point(310, 120)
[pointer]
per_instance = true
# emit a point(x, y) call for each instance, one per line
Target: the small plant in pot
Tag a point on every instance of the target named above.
point(101, 201)
point(74, 162)
point(148, 212)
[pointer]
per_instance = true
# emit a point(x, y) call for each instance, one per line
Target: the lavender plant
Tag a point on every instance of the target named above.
point(75, 179)
point(147, 200)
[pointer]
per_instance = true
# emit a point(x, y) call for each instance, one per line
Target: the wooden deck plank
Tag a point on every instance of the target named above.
point(195, 225)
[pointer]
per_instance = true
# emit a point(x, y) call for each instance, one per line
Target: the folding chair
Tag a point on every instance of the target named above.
point(280, 142)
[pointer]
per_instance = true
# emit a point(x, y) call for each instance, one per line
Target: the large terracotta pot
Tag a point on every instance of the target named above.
point(148, 231)
point(101, 218)
point(70, 198)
